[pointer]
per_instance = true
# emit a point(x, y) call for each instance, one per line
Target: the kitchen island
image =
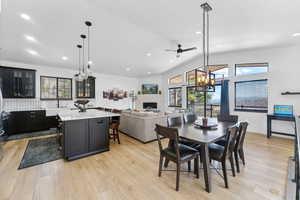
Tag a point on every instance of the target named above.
point(84, 133)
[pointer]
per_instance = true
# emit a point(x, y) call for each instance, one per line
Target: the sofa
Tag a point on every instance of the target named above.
point(141, 125)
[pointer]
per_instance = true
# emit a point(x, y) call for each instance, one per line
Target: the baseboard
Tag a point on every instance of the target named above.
point(137, 138)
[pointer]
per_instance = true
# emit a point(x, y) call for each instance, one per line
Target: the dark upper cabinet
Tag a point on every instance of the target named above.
point(86, 88)
point(17, 83)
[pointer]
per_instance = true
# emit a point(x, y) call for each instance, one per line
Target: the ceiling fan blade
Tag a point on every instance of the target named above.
point(189, 49)
point(171, 50)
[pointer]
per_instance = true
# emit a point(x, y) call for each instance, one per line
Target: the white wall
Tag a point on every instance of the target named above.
point(158, 98)
point(283, 75)
point(103, 82)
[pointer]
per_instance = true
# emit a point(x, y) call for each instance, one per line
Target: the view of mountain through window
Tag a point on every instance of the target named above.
point(251, 95)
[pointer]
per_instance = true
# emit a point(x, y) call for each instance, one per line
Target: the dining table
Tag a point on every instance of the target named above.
point(204, 137)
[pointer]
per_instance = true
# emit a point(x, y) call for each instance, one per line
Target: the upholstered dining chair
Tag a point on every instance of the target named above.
point(239, 145)
point(177, 121)
point(174, 121)
point(229, 118)
point(177, 153)
point(189, 117)
point(223, 153)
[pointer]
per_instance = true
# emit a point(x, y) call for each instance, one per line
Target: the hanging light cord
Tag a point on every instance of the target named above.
point(88, 47)
point(83, 37)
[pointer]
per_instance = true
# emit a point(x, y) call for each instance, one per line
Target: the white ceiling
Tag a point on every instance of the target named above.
point(124, 31)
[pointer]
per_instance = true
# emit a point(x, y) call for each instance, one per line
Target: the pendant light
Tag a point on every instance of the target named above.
point(88, 70)
point(83, 73)
point(78, 77)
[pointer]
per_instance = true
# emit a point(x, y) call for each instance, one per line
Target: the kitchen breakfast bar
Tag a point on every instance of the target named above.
point(84, 133)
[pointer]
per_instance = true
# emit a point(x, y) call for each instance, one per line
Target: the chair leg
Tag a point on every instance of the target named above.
point(189, 166)
point(166, 163)
point(236, 156)
point(114, 135)
point(160, 165)
point(196, 166)
point(118, 136)
point(177, 176)
point(225, 173)
point(242, 156)
point(232, 165)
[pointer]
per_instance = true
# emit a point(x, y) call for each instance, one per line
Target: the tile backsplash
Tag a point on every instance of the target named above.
point(36, 104)
point(21, 104)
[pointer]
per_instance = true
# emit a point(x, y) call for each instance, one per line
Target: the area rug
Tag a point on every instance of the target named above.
point(28, 135)
point(40, 151)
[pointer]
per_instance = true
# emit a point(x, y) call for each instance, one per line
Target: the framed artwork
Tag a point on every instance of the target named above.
point(115, 94)
point(150, 89)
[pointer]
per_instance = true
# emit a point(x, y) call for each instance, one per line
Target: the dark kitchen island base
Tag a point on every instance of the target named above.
point(85, 134)
point(85, 154)
point(85, 137)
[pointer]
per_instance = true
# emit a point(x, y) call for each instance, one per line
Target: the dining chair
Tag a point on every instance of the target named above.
point(229, 118)
point(239, 145)
point(174, 121)
point(222, 153)
point(189, 117)
point(177, 153)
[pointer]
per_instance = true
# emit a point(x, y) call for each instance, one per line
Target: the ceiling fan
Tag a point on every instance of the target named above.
point(180, 50)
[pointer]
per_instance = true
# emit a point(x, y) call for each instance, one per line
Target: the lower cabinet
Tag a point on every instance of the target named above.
point(26, 121)
point(85, 137)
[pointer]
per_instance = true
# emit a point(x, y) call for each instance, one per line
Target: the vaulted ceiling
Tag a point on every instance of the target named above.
point(128, 37)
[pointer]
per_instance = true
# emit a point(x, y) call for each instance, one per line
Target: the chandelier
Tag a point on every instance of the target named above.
point(203, 78)
point(84, 71)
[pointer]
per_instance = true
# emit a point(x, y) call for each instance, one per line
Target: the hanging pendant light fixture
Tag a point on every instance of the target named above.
point(83, 73)
point(205, 78)
point(78, 77)
point(89, 63)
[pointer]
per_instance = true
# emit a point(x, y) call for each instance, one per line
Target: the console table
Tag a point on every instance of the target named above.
point(270, 118)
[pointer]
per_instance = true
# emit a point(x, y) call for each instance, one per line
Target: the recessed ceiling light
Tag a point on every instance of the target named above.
point(127, 69)
point(25, 16)
point(32, 52)
point(296, 34)
point(90, 62)
point(148, 72)
point(148, 54)
point(198, 32)
point(30, 38)
point(64, 58)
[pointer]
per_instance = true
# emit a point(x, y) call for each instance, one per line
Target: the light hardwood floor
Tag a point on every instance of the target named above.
point(129, 171)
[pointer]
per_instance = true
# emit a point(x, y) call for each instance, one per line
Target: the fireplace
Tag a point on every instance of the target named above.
point(149, 105)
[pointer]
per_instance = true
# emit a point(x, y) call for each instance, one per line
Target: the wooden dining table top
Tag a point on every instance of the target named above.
point(206, 136)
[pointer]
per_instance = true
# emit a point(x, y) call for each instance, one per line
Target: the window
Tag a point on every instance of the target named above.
point(251, 96)
point(53, 88)
point(195, 101)
point(176, 80)
point(254, 68)
point(221, 71)
point(175, 97)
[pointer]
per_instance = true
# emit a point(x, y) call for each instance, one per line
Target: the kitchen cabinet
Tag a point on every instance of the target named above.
point(98, 137)
point(17, 83)
point(85, 88)
point(85, 137)
point(26, 121)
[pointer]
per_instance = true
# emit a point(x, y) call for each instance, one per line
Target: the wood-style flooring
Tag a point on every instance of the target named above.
point(129, 172)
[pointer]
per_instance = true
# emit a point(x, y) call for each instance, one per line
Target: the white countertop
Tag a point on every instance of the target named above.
point(68, 115)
